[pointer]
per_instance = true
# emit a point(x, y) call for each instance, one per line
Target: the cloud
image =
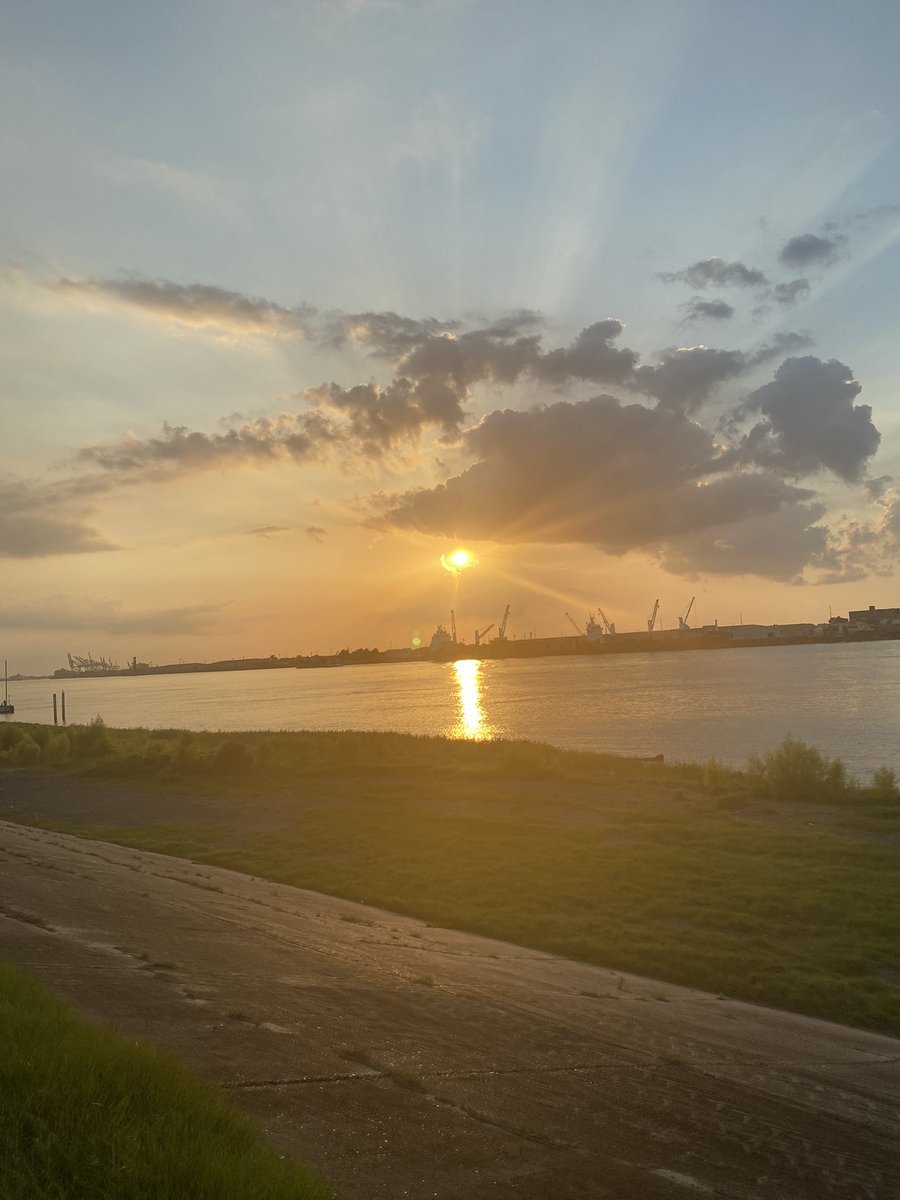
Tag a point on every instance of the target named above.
point(107, 616)
point(380, 419)
point(717, 272)
point(591, 356)
point(606, 472)
point(777, 545)
point(317, 533)
point(199, 306)
point(790, 292)
point(388, 334)
point(37, 522)
point(179, 450)
point(697, 309)
point(619, 477)
point(810, 421)
point(265, 531)
point(810, 250)
point(684, 378)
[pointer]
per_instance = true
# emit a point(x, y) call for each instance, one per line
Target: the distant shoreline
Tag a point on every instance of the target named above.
point(560, 647)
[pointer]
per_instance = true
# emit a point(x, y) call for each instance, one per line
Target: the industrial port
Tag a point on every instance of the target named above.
point(592, 637)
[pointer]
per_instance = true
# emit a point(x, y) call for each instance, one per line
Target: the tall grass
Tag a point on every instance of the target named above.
point(86, 1114)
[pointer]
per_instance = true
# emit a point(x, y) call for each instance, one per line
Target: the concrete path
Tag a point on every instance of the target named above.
point(402, 1060)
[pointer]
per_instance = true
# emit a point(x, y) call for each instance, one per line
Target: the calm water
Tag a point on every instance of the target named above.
point(726, 704)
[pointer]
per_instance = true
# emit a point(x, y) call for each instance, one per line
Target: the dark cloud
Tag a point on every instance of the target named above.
point(685, 378)
point(810, 250)
point(437, 372)
point(810, 421)
point(37, 523)
point(604, 472)
point(178, 450)
point(380, 419)
point(790, 292)
point(786, 342)
point(591, 356)
point(697, 309)
point(717, 272)
point(620, 477)
point(776, 544)
point(197, 305)
point(387, 334)
point(316, 532)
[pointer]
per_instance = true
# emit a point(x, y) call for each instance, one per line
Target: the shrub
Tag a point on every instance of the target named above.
point(91, 741)
point(795, 771)
point(719, 778)
point(884, 785)
point(26, 752)
point(57, 747)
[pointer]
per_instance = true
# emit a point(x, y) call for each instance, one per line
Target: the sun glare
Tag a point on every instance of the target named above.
point(458, 561)
point(471, 724)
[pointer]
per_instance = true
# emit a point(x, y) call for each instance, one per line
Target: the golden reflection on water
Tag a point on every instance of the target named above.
point(471, 722)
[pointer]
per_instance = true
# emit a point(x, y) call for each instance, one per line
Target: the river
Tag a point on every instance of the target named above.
point(725, 704)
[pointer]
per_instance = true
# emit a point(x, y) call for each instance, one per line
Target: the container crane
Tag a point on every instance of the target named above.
point(682, 621)
point(480, 635)
point(501, 632)
point(651, 620)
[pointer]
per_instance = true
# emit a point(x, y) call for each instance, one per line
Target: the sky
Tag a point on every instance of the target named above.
point(297, 297)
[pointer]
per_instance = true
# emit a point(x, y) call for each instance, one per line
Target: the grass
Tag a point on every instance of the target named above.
point(779, 885)
point(87, 1113)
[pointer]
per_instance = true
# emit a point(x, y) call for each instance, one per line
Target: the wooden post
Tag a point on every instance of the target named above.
point(55, 722)
point(63, 697)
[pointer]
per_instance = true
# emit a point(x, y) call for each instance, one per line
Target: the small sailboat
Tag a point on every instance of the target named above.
point(6, 707)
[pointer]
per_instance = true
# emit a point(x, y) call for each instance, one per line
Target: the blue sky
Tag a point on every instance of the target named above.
point(165, 165)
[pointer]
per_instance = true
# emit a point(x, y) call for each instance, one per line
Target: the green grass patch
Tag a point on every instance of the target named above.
point(778, 885)
point(87, 1113)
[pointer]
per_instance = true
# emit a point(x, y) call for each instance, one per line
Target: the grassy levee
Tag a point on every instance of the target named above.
point(85, 1113)
point(778, 885)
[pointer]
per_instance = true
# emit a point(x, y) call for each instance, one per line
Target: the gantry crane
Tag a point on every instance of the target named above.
point(480, 635)
point(607, 624)
point(651, 620)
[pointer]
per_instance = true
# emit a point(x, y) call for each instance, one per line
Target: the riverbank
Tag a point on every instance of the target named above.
point(660, 641)
point(779, 886)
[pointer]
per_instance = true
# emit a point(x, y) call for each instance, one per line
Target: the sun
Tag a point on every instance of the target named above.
point(457, 561)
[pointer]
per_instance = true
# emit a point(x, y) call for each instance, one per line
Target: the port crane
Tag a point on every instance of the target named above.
point(682, 621)
point(651, 620)
point(580, 632)
point(607, 624)
point(501, 632)
point(453, 625)
point(480, 635)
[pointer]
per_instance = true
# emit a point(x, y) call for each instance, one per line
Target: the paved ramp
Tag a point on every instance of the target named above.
point(402, 1060)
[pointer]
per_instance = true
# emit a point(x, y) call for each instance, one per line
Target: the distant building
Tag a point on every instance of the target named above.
point(875, 618)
